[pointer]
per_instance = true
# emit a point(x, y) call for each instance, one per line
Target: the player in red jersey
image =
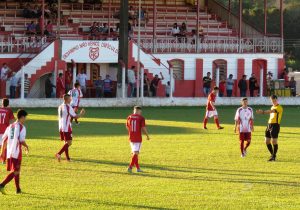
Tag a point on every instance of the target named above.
point(211, 110)
point(65, 113)
point(15, 135)
point(6, 118)
point(136, 126)
point(244, 123)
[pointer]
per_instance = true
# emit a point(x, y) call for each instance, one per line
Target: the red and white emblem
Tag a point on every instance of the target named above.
point(94, 53)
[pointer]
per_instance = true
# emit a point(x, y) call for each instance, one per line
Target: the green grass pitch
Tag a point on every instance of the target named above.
point(185, 167)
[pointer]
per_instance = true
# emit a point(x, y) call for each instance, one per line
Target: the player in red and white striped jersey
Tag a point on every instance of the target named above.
point(15, 136)
point(136, 126)
point(6, 118)
point(65, 113)
point(244, 122)
point(76, 94)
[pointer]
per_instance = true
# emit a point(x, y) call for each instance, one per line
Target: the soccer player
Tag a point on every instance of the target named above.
point(273, 128)
point(65, 113)
point(244, 122)
point(211, 110)
point(6, 118)
point(76, 94)
point(15, 135)
point(136, 125)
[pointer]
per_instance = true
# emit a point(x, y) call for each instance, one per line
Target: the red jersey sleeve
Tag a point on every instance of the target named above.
point(11, 115)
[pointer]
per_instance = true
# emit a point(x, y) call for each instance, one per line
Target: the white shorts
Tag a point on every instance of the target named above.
point(211, 114)
point(135, 147)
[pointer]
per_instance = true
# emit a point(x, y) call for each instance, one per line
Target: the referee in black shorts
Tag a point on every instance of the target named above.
point(273, 127)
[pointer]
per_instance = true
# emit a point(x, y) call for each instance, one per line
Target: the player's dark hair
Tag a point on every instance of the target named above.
point(65, 96)
point(60, 74)
point(137, 108)
point(76, 85)
point(5, 102)
point(274, 97)
point(216, 88)
point(21, 113)
point(244, 99)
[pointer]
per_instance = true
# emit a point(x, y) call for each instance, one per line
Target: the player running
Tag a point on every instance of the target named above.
point(15, 135)
point(65, 113)
point(136, 125)
point(273, 128)
point(244, 122)
point(76, 95)
point(211, 110)
point(6, 118)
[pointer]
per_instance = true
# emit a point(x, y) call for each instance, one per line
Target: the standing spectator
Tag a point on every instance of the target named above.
point(229, 85)
point(4, 72)
point(60, 86)
point(168, 89)
point(253, 84)
point(13, 85)
point(286, 78)
point(293, 85)
point(31, 28)
point(222, 87)
point(243, 86)
point(81, 78)
point(49, 29)
point(146, 85)
point(175, 30)
point(132, 81)
point(154, 84)
point(99, 84)
point(26, 85)
point(270, 83)
point(183, 31)
point(49, 86)
point(206, 84)
point(69, 79)
point(107, 87)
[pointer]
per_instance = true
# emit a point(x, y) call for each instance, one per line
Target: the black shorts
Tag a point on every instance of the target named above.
point(272, 131)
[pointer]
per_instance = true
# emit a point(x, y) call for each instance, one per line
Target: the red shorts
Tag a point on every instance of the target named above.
point(245, 136)
point(75, 108)
point(13, 164)
point(65, 136)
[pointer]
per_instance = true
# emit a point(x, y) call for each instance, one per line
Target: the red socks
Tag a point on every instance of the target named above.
point(137, 162)
point(8, 178)
point(67, 152)
point(205, 122)
point(217, 122)
point(134, 161)
point(247, 144)
point(242, 146)
point(17, 181)
point(63, 149)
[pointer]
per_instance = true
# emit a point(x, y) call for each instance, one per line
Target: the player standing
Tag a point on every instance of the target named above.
point(65, 113)
point(273, 128)
point(6, 118)
point(136, 126)
point(244, 122)
point(15, 135)
point(76, 94)
point(211, 110)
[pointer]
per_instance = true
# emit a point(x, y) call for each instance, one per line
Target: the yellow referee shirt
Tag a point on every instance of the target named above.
point(277, 115)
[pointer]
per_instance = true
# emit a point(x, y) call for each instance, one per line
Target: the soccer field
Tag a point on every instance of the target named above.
point(185, 167)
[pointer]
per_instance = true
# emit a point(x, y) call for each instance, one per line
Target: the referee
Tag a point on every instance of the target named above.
point(273, 127)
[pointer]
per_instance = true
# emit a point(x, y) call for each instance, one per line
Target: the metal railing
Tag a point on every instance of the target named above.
point(13, 44)
point(212, 45)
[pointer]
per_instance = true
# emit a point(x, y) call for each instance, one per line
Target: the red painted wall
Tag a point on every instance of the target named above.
point(199, 75)
point(281, 65)
point(240, 73)
point(184, 88)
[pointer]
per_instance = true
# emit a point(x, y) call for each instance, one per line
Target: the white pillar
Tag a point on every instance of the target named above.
point(123, 82)
point(261, 85)
point(171, 82)
point(142, 82)
point(74, 74)
point(22, 82)
point(217, 76)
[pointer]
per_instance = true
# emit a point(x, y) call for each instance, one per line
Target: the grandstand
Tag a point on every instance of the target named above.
point(219, 32)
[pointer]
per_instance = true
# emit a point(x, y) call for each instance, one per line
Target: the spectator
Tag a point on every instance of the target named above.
point(253, 84)
point(154, 84)
point(94, 29)
point(243, 86)
point(132, 15)
point(26, 85)
point(206, 84)
point(222, 87)
point(49, 86)
point(31, 28)
point(132, 81)
point(175, 30)
point(48, 12)
point(293, 85)
point(99, 84)
point(27, 11)
point(229, 85)
point(183, 30)
point(143, 15)
point(117, 30)
point(270, 83)
point(194, 37)
point(49, 29)
point(146, 85)
point(81, 78)
point(4, 72)
point(60, 86)
point(69, 79)
point(286, 78)
point(107, 87)
point(104, 29)
point(168, 89)
point(13, 85)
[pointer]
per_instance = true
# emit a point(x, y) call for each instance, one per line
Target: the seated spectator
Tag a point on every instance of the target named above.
point(94, 29)
point(49, 29)
point(183, 32)
point(293, 85)
point(31, 28)
point(104, 29)
point(175, 30)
